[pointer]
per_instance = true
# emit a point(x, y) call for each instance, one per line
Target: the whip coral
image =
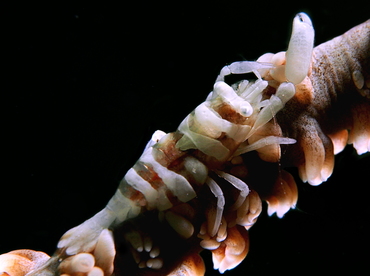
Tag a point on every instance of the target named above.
point(322, 117)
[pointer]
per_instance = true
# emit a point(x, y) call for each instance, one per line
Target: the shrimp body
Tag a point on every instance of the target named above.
point(174, 165)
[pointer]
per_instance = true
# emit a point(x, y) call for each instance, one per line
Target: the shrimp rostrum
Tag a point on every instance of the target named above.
point(197, 185)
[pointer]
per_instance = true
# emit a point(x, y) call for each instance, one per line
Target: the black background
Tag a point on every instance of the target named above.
point(87, 85)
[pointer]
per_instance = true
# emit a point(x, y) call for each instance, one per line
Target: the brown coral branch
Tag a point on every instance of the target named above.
point(328, 103)
point(314, 126)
